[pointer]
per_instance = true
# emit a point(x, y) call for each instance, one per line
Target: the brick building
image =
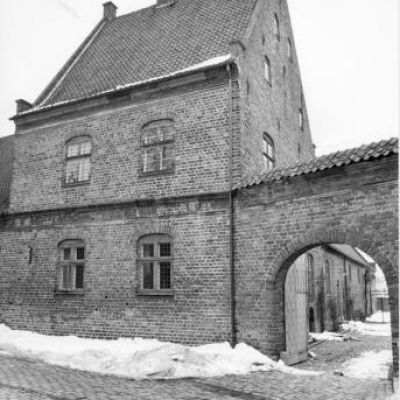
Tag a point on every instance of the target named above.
point(119, 218)
point(336, 276)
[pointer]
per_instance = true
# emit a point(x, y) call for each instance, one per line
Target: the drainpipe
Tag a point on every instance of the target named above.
point(231, 222)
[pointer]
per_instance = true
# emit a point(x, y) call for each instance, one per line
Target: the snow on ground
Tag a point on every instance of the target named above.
point(370, 365)
point(327, 336)
point(366, 328)
point(140, 358)
point(379, 316)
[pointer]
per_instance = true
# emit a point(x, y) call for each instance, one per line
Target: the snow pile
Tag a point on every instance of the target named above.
point(366, 328)
point(370, 365)
point(327, 336)
point(139, 358)
point(379, 316)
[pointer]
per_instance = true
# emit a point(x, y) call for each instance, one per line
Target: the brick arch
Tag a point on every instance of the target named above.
point(155, 116)
point(372, 244)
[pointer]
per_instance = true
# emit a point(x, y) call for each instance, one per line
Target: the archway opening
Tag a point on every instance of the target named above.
point(333, 290)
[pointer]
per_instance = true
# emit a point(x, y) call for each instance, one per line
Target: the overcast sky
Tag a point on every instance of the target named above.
point(348, 51)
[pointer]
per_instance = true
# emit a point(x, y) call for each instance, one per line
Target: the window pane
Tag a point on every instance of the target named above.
point(148, 275)
point(72, 150)
point(84, 169)
point(79, 277)
point(148, 250)
point(67, 254)
point(165, 249)
point(80, 253)
point(165, 275)
point(151, 159)
point(66, 281)
point(85, 148)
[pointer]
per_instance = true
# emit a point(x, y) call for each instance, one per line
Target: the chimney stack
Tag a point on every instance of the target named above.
point(110, 10)
point(23, 105)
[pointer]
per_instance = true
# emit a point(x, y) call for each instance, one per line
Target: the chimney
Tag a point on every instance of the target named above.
point(23, 105)
point(110, 10)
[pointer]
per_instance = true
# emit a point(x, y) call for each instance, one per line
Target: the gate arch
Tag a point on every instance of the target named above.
point(372, 244)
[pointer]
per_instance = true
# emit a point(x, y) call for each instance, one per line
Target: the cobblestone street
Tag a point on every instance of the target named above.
point(22, 379)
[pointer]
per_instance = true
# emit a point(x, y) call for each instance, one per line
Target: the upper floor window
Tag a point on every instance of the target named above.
point(267, 70)
point(289, 50)
point(301, 119)
point(155, 264)
point(268, 151)
point(276, 28)
point(77, 160)
point(72, 265)
point(157, 150)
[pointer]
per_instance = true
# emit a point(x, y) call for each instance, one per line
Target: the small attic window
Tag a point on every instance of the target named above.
point(267, 70)
point(276, 28)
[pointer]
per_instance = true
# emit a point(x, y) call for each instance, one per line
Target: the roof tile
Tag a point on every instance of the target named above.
point(368, 152)
point(152, 42)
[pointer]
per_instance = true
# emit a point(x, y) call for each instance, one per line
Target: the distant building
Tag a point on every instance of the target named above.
point(336, 286)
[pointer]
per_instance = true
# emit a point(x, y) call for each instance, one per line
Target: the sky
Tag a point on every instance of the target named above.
point(347, 49)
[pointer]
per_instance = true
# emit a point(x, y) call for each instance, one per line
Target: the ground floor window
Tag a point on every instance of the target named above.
point(71, 266)
point(155, 264)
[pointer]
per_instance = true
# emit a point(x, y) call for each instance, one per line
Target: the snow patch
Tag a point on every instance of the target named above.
point(379, 317)
point(327, 336)
point(140, 358)
point(370, 365)
point(366, 328)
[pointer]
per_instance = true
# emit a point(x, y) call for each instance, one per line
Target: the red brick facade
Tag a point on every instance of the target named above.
point(213, 111)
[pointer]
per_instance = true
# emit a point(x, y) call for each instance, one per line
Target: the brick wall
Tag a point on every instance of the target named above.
point(271, 108)
point(201, 115)
point(276, 222)
point(199, 311)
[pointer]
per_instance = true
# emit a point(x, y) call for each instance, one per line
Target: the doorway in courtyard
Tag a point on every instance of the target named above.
point(328, 288)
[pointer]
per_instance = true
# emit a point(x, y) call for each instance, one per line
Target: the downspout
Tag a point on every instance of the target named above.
point(231, 222)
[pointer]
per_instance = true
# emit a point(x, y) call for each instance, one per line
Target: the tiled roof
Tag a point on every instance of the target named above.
point(6, 159)
point(349, 252)
point(368, 152)
point(152, 42)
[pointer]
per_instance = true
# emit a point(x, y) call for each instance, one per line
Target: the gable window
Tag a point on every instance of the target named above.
point(268, 151)
point(267, 70)
point(77, 160)
point(276, 28)
point(289, 50)
point(301, 119)
point(155, 265)
point(157, 150)
point(71, 267)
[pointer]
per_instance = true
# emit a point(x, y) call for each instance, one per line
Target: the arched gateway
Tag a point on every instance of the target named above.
point(348, 197)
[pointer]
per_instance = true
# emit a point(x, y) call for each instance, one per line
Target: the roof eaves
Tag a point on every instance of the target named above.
point(205, 65)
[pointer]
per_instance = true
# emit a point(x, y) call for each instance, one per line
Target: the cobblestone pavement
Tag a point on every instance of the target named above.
point(22, 379)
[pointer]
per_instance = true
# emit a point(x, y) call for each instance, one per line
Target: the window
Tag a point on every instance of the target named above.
point(289, 50)
point(267, 70)
point(328, 276)
point(276, 28)
point(268, 151)
point(72, 266)
point(301, 119)
point(311, 279)
point(155, 264)
point(157, 147)
point(77, 160)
